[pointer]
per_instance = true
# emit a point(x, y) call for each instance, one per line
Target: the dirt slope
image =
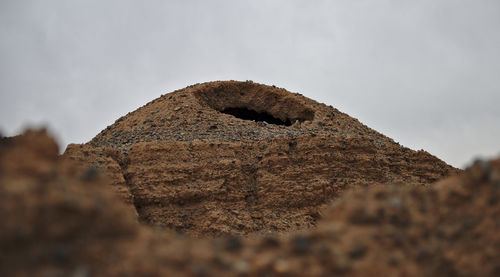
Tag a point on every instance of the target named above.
point(59, 219)
point(239, 157)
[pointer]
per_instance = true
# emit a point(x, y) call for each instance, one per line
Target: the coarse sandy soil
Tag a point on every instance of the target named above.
point(281, 186)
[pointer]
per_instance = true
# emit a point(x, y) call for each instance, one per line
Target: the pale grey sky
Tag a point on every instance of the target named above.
point(426, 73)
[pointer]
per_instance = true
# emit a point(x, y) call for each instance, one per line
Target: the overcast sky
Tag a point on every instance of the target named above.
point(426, 73)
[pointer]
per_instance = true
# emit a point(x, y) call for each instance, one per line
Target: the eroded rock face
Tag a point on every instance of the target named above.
point(102, 160)
point(195, 161)
point(239, 188)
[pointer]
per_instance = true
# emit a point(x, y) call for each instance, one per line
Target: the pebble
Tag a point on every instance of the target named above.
point(357, 252)
point(90, 174)
point(233, 244)
point(241, 267)
point(81, 271)
point(395, 202)
point(300, 245)
point(281, 266)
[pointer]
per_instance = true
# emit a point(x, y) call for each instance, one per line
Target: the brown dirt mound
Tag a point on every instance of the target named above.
point(239, 157)
point(59, 219)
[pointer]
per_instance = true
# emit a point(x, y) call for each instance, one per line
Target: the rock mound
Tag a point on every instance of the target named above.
point(239, 157)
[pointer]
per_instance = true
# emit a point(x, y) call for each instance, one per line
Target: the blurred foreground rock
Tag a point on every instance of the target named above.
point(59, 219)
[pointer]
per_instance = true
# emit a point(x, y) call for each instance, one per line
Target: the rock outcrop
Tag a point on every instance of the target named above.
point(239, 157)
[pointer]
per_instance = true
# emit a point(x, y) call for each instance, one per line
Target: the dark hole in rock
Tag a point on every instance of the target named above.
point(246, 114)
